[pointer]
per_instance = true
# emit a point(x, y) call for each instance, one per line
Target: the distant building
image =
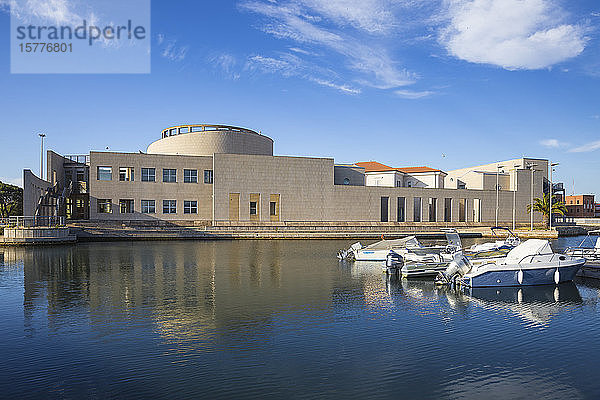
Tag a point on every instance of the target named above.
point(597, 210)
point(581, 206)
point(211, 174)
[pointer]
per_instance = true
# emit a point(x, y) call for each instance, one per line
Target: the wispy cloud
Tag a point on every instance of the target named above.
point(553, 143)
point(592, 146)
point(52, 11)
point(170, 49)
point(227, 63)
point(322, 23)
point(292, 65)
point(513, 34)
point(410, 94)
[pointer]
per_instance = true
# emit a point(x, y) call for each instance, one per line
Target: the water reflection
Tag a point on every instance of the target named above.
point(228, 319)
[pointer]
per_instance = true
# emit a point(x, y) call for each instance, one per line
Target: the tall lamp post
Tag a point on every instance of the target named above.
point(514, 210)
point(498, 168)
point(552, 165)
point(42, 136)
point(531, 166)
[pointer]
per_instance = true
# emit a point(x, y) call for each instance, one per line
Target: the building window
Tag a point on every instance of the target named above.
point(398, 183)
point(169, 206)
point(401, 209)
point(384, 209)
point(273, 208)
point(126, 174)
point(417, 209)
point(169, 175)
point(253, 207)
point(126, 206)
point(447, 209)
point(346, 181)
point(190, 175)
point(432, 209)
point(409, 184)
point(148, 174)
point(148, 206)
point(104, 206)
point(105, 173)
point(190, 207)
point(462, 210)
point(208, 176)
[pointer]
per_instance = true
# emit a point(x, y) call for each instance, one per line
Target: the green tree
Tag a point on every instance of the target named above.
point(542, 205)
point(11, 200)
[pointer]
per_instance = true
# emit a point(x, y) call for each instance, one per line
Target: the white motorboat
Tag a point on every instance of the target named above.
point(531, 263)
point(508, 243)
point(591, 254)
point(409, 248)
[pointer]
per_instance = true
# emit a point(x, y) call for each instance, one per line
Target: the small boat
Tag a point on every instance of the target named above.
point(408, 247)
point(510, 242)
point(531, 263)
point(591, 254)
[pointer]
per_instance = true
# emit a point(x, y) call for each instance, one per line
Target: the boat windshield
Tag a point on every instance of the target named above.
point(407, 242)
point(530, 247)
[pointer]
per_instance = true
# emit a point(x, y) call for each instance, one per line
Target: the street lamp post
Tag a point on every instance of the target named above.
point(514, 210)
point(42, 136)
point(498, 168)
point(532, 168)
point(552, 165)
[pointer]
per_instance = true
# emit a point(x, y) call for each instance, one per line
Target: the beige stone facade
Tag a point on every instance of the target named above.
point(228, 187)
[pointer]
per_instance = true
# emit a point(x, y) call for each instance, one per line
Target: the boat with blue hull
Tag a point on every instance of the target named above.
point(531, 263)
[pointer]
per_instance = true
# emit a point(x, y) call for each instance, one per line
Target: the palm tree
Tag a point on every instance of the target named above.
point(543, 206)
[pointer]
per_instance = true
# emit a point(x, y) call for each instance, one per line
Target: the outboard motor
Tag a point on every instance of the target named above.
point(393, 262)
point(457, 267)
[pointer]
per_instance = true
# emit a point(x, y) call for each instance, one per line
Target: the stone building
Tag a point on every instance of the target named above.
point(215, 174)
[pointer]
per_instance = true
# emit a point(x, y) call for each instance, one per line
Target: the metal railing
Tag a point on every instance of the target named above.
point(30, 222)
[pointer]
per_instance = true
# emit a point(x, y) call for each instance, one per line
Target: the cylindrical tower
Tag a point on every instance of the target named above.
point(206, 140)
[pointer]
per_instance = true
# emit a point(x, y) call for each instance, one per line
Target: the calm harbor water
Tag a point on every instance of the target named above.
point(279, 319)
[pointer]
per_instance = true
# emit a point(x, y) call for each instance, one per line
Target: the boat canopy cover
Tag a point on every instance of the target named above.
point(407, 242)
point(530, 247)
point(597, 246)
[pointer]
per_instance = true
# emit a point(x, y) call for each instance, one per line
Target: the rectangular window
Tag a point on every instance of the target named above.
point(476, 210)
point(447, 209)
point(401, 209)
point(169, 175)
point(432, 209)
point(274, 207)
point(104, 206)
point(148, 206)
point(208, 176)
point(417, 209)
point(190, 207)
point(105, 173)
point(126, 174)
point(254, 206)
point(384, 209)
point(148, 174)
point(462, 210)
point(190, 176)
point(169, 206)
point(126, 206)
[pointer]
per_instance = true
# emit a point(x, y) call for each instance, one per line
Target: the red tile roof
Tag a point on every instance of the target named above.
point(374, 166)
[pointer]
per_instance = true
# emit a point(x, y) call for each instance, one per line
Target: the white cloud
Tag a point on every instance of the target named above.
point(302, 21)
point(553, 143)
point(171, 50)
point(53, 11)
point(227, 63)
point(513, 34)
point(586, 147)
point(410, 94)
point(291, 65)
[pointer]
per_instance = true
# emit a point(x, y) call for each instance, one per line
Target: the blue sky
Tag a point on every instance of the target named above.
point(448, 83)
